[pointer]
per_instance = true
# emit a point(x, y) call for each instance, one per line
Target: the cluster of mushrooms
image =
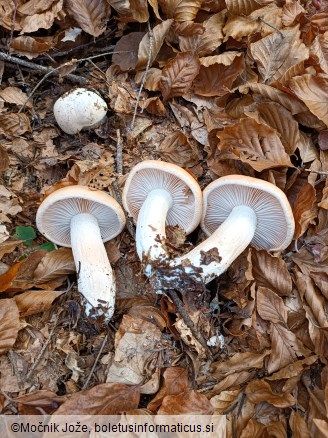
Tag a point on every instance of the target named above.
point(234, 211)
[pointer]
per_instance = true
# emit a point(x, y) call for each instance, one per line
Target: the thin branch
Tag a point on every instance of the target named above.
point(319, 172)
point(187, 320)
point(151, 42)
point(119, 154)
point(37, 360)
point(41, 68)
point(86, 383)
point(272, 26)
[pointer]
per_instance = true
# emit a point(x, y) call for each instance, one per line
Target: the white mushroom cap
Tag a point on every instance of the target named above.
point(275, 222)
point(186, 194)
point(79, 109)
point(56, 211)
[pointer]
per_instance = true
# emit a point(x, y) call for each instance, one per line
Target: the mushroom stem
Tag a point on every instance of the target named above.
point(151, 224)
point(95, 275)
point(226, 244)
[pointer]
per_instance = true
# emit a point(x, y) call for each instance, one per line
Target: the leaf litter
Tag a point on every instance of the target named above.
point(219, 88)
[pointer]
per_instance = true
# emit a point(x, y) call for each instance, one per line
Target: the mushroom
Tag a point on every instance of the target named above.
point(238, 210)
point(156, 194)
point(79, 109)
point(81, 218)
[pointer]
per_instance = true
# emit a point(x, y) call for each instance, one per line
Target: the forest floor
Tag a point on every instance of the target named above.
point(219, 88)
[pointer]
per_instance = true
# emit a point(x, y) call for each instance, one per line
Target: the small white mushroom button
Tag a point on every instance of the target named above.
point(79, 109)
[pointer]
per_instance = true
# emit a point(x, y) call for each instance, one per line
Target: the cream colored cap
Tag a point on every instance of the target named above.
point(275, 221)
point(186, 194)
point(54, 215)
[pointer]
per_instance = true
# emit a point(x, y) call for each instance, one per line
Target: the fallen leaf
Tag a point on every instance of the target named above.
point(178, 75)
point(176, 149)
point(14, 125)
point(271, 272)
point(313, 91)
point(259, 390)
point(159, 33)
point(304, 209)
point(4, 159)
point(35, 301)
point(255, 144)
point(270, 306)
point(176, 380)
point(53, 265)
point(277, 52)
point(291, 12)
point(286, 348)
point(207, 83)
point(190, 402)
point(39, 402)
point(203, 43)
point(91, 15)
point(9, 324)
point(253, 429)
point(135, 342)
point(31, 47)
point(298, 425)
point(103, 399)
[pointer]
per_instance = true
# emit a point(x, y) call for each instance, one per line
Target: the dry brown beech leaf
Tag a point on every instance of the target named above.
point(121, 6)
point(204, 43)
point(307, 148)
point(294, 369)
point(178, 75)
point(319, 49)
point(266, 93)
point(15, 95)
point(304, 209)
point(4, 160)
point(91, 15)
point(238, 362)
point(126, 51)
point(190, 402)
point(241, 7)
point(277, 52)
point(259, 390)
point(9, 324)
point(270, 306)
point(313, 91)
point(271, 272)
point(8, 12)
point(14, 125)
point(31, 47)
point(280, 119)
point(176, 380)
point(324, 200)
point(291, 11)
point(32, 403)
point(224, 401)
point(176, 149)
point(253, 429)
point(239, 26)
point(54, 264)
point(286, 348)
point(43, 18)
point(298, 425)
point(35, 301)
point(159, 33)
point(103, 399)
point(188, 28)
point(186, 10)
point(255, 144)
point(217, 79)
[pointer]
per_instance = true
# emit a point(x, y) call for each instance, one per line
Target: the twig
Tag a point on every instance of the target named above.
point(271, 25)
point(151, 42)
point(95, 363)
point(319, 172)
point(188, 321)
point(41, 68)
point(37, 360)
point(119, 154)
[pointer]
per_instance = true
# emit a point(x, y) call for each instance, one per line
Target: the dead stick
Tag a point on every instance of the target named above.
point(37, 360)
point(40, 68)
point(319, 172)
point(151, 42)
point(86, 383)
point(188, 321)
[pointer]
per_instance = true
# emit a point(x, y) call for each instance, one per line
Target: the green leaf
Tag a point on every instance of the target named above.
point(48, 246)
point(25, 233)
